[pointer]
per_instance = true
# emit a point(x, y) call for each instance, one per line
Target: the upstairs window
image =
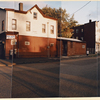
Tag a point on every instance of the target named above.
point(81, 30)
point(35, 15)
point(76, 30)
point(27, 26)
point(43, 28)
point(82, 38)
point(77, 37)
point(52, 29)
point(3, 25)
point(14, 24)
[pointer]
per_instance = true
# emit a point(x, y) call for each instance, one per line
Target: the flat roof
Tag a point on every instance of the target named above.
point(69, 39)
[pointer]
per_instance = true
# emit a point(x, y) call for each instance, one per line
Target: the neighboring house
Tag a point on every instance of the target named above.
point(89, 32)
point(27, 33)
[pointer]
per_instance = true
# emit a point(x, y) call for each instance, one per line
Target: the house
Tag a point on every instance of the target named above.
point(27, 33)
point(89, 32)
point(70, 47)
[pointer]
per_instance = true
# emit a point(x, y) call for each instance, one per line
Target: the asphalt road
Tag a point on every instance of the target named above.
point(35, 80)
point(68, 78)
point(5, 81)
point(80, 77)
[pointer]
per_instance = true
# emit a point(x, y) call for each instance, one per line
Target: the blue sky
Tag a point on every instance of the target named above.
point(90, 11)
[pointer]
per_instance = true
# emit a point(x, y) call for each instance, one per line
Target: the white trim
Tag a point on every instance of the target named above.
point(69, 39)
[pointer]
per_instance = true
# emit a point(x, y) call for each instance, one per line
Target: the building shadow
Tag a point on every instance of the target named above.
point(35, 80)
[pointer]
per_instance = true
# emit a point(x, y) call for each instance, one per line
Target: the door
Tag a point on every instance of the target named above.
point(64, 48)
point(2, 51)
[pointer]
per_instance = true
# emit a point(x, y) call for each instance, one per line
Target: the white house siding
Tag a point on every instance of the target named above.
point(97, 34)
point(97, 31)
point(36, 24)
point(2, 17)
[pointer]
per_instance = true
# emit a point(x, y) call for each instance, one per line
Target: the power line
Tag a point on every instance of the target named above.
point(81, 7)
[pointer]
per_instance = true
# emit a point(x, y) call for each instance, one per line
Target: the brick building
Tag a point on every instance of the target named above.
point(70, 47)
point(89, 32)
point(27, 33)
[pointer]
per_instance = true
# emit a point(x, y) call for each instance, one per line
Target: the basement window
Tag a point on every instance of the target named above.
point(27, 43)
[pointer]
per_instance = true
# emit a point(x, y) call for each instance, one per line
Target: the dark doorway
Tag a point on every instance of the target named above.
point(2, 51)
point(64, 48)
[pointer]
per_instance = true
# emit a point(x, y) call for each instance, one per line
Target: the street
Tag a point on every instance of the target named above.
point(36, 80)
point(68, 78)
point(79, 77)
point(5, 81)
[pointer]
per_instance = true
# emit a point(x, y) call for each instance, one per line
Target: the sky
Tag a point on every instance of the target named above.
point(90, 11)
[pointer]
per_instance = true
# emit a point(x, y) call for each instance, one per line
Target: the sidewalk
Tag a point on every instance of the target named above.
point(5, 62)
point(78, 56)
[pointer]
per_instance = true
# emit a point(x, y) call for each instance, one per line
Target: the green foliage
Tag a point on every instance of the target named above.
point(65, 22)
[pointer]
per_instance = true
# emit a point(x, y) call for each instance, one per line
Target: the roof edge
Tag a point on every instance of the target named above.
point(25, 12)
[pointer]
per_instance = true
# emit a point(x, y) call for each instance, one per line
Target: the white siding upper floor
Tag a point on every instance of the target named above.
point(2, 19)
point(97, 31)
point(35, 24)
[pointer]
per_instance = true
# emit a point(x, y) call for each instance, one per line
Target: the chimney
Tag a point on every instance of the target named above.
point(20, 6)
point(90, 21)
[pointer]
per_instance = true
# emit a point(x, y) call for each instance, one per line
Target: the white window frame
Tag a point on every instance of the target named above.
point(43, 28)
point(28, 25)
point(14, 24)
point(27, 43)
point(35, 16)
point(52, 29)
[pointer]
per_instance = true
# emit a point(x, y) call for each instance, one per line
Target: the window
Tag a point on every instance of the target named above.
point(83, 46)
point(76, 30)
point(14, 24)
point(27, 43)
point(77, 37)
point(52, 29)
point(81, 30)
point(27, 26)
point(81, 38)
point(3, 25)
point(43, 28)
point(73, 31)
point(13, 42)
point(35, 15)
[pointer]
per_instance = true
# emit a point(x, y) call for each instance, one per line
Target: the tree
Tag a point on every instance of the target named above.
point(65, 22)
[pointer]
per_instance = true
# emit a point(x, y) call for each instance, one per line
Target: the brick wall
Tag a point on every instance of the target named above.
point(37, 47)
point(75, 48)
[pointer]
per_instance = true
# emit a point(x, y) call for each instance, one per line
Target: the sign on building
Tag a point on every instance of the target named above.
point(10, 36)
